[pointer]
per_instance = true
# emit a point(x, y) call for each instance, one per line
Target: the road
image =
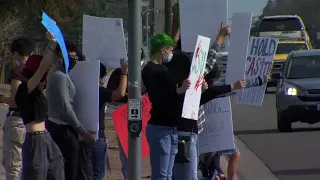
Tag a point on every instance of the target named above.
point(289, 156)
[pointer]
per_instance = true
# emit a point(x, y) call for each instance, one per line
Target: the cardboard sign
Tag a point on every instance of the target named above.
point(202, 17)
point(103, 39)
point(217, 134)
point(120, 120)
point(85, 76)
point(259, 63)
point(53, 28)
point(192, 96)
point(239, 42)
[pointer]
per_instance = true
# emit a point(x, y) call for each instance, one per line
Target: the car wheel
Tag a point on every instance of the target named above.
point(284, 124)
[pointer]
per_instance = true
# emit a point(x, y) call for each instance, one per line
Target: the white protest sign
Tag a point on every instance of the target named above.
point(85, 76)
point(239, 41)
point(192, 96)
point(202, 17)
point(103, 39)
point(259, 63)
point(4, 109)
point(217, 134)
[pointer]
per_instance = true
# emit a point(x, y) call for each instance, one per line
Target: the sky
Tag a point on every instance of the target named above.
point(254, 6)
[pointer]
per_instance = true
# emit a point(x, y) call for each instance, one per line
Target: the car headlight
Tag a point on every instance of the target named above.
point(291, 90)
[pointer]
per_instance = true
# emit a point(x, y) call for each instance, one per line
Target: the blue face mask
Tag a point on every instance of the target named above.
point(168, 58)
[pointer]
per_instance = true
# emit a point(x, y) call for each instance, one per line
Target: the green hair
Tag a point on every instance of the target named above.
point(159, 41)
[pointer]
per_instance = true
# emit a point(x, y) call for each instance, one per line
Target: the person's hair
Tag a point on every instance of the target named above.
point(22, 46)
point(143, 55)
point(32, 65)
point(159, 41)
point(81, 57)
point(71, 47)
point(214, 74)
point(178, 45)
point(103, 70)
point(179, 66)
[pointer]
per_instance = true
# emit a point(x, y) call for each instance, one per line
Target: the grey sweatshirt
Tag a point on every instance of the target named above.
point(60, 93)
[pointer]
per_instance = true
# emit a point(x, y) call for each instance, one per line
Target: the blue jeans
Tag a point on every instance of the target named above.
point(163, 143)
point(124, 160)
point(188, 171)
point(99, 158)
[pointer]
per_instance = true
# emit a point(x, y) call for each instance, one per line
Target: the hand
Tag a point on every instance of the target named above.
point(124, 66)
point(224, 30)
point(185, 86)
point(90, 137)
point(241, 84)
point(50, 36)
point(204, 86)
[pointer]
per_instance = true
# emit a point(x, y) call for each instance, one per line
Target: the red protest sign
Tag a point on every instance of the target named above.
point(120, 121)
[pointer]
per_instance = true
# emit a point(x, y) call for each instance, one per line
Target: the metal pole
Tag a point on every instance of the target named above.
point(134, 89)
point(168, 16)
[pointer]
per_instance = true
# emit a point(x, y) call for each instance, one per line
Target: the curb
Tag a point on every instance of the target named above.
point(250, 166)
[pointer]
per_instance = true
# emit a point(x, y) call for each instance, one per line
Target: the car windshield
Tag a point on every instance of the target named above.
point(286, 48)
point(304, 67)
point(280, 24)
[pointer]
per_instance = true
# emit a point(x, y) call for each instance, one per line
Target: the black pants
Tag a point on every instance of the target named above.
point(41, 158)
point(85, 163)
point(67, 140)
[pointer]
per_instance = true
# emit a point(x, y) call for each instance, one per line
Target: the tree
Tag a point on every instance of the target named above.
point(11, 27)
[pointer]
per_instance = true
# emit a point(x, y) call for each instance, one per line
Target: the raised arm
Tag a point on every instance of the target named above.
point(175, 22)
point(44, 65)
point(120, 92)
point(215, 48)
point(62, 96)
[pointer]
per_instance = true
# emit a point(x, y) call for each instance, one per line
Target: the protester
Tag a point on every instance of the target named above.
point(13, 129)
point(113, 84)
point(165, 97)
point(63, 123)
point(100, 147)
point(188, 129)
point(42, 158)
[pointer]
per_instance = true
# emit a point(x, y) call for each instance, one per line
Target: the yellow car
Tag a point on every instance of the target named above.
point(285, 26)
point(285, 46)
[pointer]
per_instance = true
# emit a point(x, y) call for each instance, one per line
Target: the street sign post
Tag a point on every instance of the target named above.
point(134, 89)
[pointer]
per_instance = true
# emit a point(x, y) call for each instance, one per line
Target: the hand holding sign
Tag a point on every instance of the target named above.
point(224, 30)
point(52, 27)
point(241, 84)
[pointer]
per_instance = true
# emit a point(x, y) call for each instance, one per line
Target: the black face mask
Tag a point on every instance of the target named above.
point(72, 62)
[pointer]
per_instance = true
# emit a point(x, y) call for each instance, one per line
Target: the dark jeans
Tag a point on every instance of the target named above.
point(99, 158)
point(67, 140)
point(41, 158)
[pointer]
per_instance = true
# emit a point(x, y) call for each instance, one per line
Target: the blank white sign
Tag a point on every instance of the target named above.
point(103, 39)
point(85, 76)
point(202, 17)
point(239, 41)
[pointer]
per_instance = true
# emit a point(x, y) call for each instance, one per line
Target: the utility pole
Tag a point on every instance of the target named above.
point(134, 89)
point(168, 16)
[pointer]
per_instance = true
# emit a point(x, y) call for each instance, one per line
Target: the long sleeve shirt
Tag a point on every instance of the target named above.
point(60, 94)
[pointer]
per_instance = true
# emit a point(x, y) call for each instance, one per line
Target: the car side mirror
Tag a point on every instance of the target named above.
point(276, 76)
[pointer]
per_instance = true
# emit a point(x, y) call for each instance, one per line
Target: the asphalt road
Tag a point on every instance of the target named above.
point(289, 156)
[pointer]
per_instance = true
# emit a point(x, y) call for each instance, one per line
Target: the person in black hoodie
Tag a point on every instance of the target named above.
point(180, 69)
point(165, 97)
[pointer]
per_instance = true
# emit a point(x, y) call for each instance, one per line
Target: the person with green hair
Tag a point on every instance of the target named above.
point(165, 96)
